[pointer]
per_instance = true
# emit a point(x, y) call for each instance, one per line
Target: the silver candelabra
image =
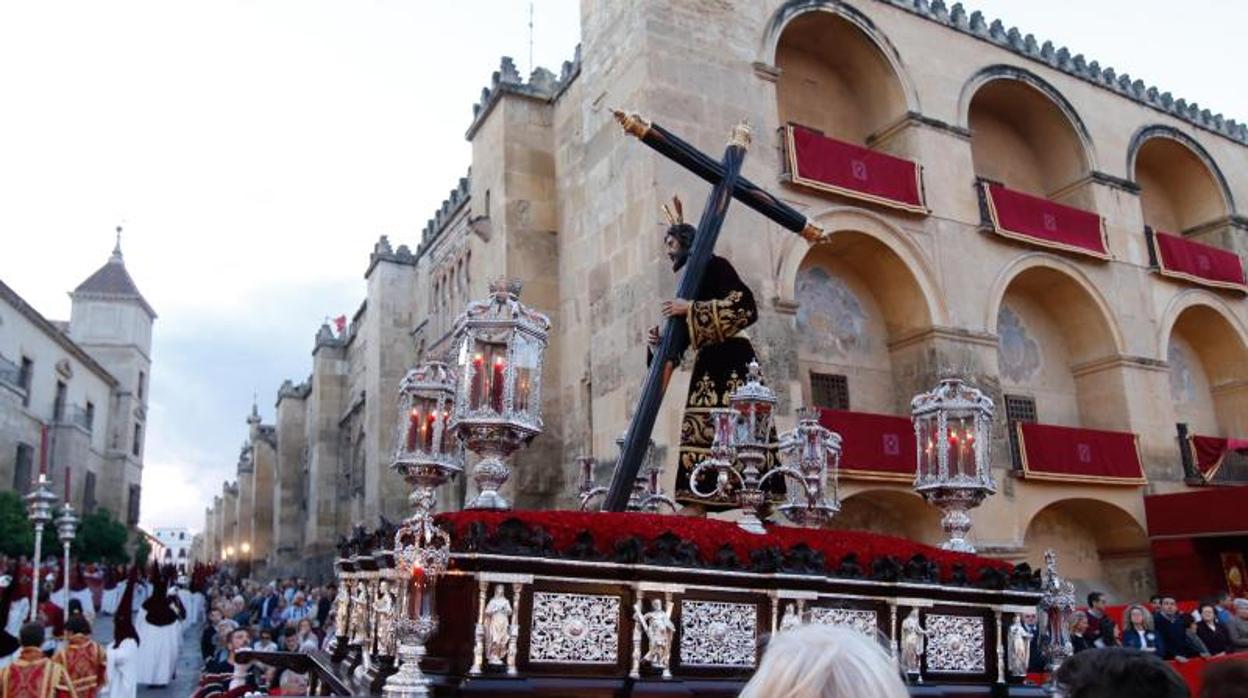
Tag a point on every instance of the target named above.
point(40, 501)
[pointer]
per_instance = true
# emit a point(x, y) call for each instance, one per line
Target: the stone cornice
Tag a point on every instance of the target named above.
point(952, 334)
point(1142, 363)
point(1078, 66)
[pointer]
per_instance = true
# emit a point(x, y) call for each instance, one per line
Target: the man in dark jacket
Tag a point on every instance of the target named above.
point(1100, 632)
point(1171, 637)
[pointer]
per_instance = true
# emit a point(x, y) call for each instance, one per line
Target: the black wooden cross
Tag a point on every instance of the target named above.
point(725, 175)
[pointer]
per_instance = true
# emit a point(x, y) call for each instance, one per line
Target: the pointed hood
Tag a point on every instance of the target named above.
point(123, 620)
point(8, 592)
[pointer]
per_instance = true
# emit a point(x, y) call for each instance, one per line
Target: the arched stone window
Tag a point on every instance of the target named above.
point(1100, 547)
point(1181, 190)
point(1208, 373)
point(1025, 136)
point(855, 299)
point(835, 78)
point(893, 512)
point(1053, 338)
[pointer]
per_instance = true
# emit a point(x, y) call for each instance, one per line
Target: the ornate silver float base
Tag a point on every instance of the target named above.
point(409, 681)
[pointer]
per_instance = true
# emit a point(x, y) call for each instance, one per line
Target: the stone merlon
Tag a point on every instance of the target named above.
point(1077, 65)
point(450, 206)
point(542, 85)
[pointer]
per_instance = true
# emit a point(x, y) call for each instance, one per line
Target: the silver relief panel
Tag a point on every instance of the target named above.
point(574, 628)
point(865, 622)
point(718, 634)
point(955, 644)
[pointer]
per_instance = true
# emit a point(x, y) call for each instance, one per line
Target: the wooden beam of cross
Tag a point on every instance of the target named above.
point(725, 175)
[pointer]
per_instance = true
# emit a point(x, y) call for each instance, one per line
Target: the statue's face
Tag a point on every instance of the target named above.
point(1029, 618)
point(656, 604)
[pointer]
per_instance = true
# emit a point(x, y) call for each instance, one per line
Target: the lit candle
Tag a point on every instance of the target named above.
point(478, 381)
point(412, 423)
point(496, 385)
point(427, 430)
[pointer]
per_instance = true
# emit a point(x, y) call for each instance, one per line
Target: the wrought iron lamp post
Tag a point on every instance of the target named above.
point(498, 402)
point(40, 501)
point(427, 455)
point(743, 433)
point(953, 432)
point(66, 529)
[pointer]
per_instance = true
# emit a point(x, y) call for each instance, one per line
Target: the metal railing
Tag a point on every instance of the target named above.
point(11, 373)
point(79, 417)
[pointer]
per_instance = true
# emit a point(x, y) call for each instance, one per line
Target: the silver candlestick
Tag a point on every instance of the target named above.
point(66, 529)
point(40, 501)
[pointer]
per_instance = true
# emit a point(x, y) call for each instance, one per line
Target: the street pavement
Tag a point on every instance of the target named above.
point(186, 677)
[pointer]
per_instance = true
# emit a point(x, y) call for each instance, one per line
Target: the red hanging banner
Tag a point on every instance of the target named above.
point(874, 446)
point(1045, 223)
point(828, 165)
point(1180, 258)
point(1067, 454)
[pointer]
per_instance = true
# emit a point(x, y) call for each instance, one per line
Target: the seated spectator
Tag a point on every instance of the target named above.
point(1225, 680)
point(820, 661)
point(1101, 631)
point(1078, 632)
point(1137, 632)
point(1111, 672)
point(297, 610)
point(1225, 607)
point(290, 640)
point(1194, 647)
point(265, 643)
point(1237, 627)
point(1169, 628)
point(1212, 632)
point(309, 641)
point(208, 642)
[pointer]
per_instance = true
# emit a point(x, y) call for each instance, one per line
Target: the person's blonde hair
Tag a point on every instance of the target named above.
point(1148, 617)
point(823, 661)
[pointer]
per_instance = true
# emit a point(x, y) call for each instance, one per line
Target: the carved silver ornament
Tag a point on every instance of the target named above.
point(574, 628)
point(955, 644)
point(864, 622)
point(718, 634)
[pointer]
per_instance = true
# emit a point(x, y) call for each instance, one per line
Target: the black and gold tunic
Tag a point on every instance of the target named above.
point(714, 328)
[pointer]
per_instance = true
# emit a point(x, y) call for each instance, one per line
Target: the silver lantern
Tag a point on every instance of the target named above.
point(66, 529)
point(743, 433)
point(427, 455)
point(498, 403)
point(953, 433)
point(811, 455)
point(39, 503)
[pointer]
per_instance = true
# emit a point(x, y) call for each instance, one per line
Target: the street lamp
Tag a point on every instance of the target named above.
point(66, 529)
point(40, 501)
point(246, 548)
point(953, 433)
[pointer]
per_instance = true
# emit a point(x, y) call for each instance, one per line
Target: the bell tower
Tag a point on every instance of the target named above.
point(112, 321)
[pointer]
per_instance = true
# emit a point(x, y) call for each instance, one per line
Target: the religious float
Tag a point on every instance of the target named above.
point(631, 600)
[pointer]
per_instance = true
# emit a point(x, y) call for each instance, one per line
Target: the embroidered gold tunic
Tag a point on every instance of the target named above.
point(714, 328)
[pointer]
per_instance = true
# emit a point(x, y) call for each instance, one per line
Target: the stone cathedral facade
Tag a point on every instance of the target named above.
point(1086, 338)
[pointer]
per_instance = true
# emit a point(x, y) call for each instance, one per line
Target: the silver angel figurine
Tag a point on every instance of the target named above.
point(912, 634)
point(342, 603)
point(359, 615)
point(1020, 647)
point(659, 631)
point(497, 627)
point(791, 618)
point(383, 618)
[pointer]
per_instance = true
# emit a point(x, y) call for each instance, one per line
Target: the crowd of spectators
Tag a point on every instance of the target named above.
point(285, 615)
point(1217, 626)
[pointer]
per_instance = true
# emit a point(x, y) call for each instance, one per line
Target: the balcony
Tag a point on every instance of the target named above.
point(77, 416)
point(1047, 452)
point(1179, 258)
point(1041, 222)
point(11, 374)
point(1212, 460)
point(827, 165)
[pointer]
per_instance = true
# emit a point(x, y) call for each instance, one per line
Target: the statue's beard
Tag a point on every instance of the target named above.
point(678, 258)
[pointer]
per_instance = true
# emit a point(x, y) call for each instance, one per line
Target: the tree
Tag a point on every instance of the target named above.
point(142, 549)
point(101, 538)
point(17, 536)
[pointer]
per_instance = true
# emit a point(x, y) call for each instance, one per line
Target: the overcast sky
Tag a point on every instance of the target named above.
point(255, 151)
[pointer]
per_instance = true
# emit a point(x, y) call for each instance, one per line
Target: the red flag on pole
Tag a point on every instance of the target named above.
point(340, 323)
